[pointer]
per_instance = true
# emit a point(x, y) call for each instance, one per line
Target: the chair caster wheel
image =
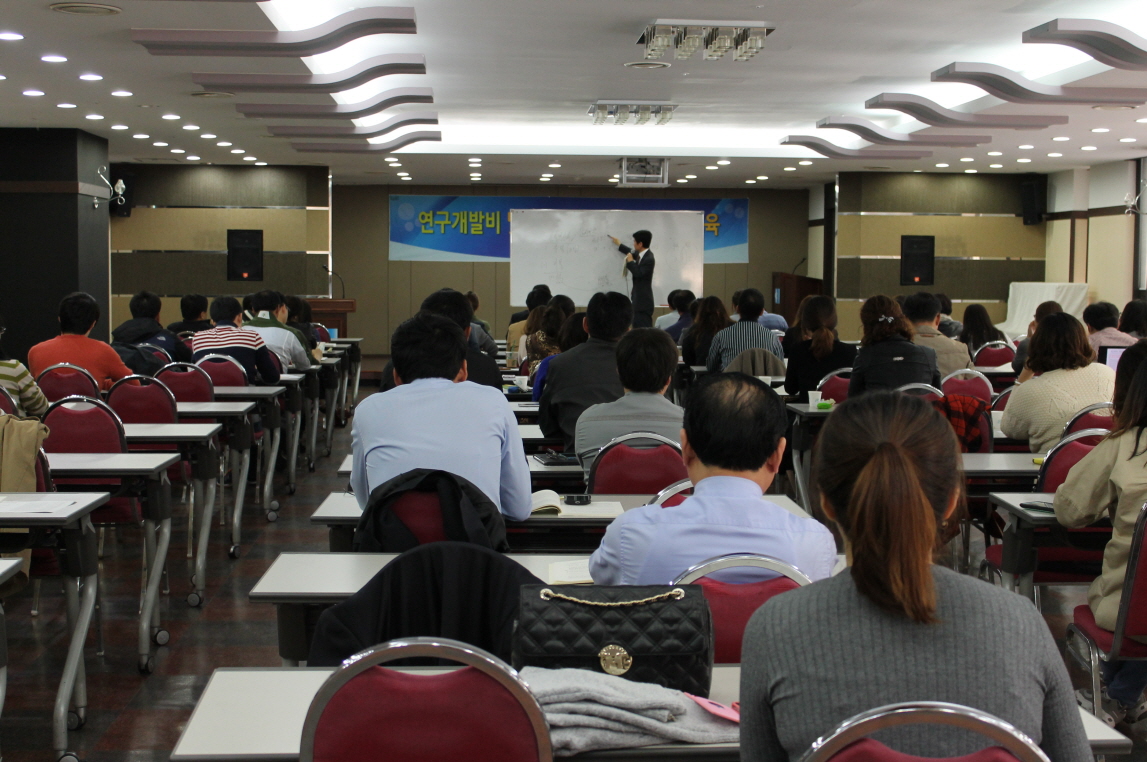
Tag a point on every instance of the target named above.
point(274, 505)
point(146, 665)
point(75, 721)
point(193, 600)
point(272, 516)
point(233, 551)
point(161, 637)
point(68, 757)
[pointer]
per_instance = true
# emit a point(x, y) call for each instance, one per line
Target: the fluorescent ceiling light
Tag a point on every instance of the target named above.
point(395, 164)
point(762, 177)
point(473, 174)
point(995, 153)
point(249, 158)
point(91, 77)
point(119, 127)
point(94, 117)
point(967, 158)
point(33, 93)
point(122, 93)
point(1026, 147)
point(1061, 139)
point(160, 144)
point(724, 162)
point(191, 126)
point(65, 105)
point(192, 158)
point(237, 150)
point(687, 177)
point(996, 166)
point(53, 59)
point(555, 166)
point(141, 136)
point(790, 169)
point(1024, 161)
point(475, 164)
point(1088, 148)
point(224, 144)
point(178, 150)
point(711, 166)
point(1126, 140)
point(2, 78)
point(475, 160)
point(751, 182)
point(1100, 129)
point(614, 180)
point(407, 178)
point(1054, 155)
point(170, 117)
point(942, 166)
point(805, 163)
point(260, 164)
point(403, 174)
point(10, 36)
point(547, 175)
point(682, 180)
point(208, 136)
point(970, 171)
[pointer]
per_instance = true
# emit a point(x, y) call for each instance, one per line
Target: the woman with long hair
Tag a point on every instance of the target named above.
point(572, 333)
point(894, 627)
point(821, 353)
point(887, 358)
point(711, 318)
point(978, 328)
point(795, 334)
point(533, 323)
point(1133, 319)
point(19, 384)
point(544, 341)
point(1064, 379)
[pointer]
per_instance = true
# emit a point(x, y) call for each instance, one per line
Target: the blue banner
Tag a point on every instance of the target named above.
point(477, 228)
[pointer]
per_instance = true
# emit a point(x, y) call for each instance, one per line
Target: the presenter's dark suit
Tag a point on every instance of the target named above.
point(642, 296)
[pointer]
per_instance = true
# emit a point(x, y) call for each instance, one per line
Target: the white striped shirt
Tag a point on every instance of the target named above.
point(732, 341)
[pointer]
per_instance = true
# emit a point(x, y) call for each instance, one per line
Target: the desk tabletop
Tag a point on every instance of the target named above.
point(248, 392)
point(997, 370)
point(1010, 502)
point(217, 409)
point(330, 361)
point(8, 568)
point(292, 379)
point(59, 508)
point(170, 432)
point(1000, 464)
point(110, 464)
point(807, 410)
point(348, 340)
point(346, 465)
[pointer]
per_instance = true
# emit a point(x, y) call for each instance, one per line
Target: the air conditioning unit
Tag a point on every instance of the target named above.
point(644, 173)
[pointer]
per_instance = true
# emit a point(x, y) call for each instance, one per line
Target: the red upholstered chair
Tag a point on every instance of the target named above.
point(969, 382)
point(321, 332)
point(849, 741)
point(421, 512)
point(64, 380)
point(45, 563)
point(994, 354)
point(367, 712)
point(924, 391)
point(1063, 455)
point(1088, 643)
point(672, 495)
point(224, 370)
point(1000, 401)
point(834, 386)
point(142, 399)
point(733, 605)
point(161, 353)
point(1100, 416)
point(189, 383)
point(623, 469)
point(7, 404)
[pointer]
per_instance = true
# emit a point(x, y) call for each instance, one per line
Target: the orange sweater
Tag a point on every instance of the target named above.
point(96, 357)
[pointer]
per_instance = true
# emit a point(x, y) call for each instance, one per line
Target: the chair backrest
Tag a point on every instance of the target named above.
point(1101, 415)
point(83, 424)
point(224, 370)
point(367, 712)
point(732, 605)
point(421, 512)
point(276, 361)
point(321, 332)
point(849, 741)
point(970, 382)
point(1065, 454)
point(7, 404)
point(189, 383)
point(926, 391)
point(672, 495)
point(146, 401)
point(994, 353)
point(623, 469)
point(44, 481)
point(64, 380)
point(834, 386)
point(987, 441)
point(1131, 622)
point(159, 352)
point(1000, 401)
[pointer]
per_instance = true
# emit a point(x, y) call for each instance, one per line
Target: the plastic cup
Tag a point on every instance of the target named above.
point(814, 398)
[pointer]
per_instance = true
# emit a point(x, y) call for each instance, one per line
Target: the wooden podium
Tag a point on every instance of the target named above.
point(789, 290)
point(332, 313)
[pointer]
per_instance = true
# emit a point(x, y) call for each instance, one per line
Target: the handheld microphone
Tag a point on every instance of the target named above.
point(341, 281)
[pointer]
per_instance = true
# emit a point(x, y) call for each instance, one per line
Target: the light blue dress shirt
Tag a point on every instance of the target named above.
point(652, 545)
point(465, 428)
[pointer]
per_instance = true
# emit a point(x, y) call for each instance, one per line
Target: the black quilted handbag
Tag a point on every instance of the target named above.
point(659, 634)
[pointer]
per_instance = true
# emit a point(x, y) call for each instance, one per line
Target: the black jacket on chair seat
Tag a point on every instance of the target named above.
point(446, 589)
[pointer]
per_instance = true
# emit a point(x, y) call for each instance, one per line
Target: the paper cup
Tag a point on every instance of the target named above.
point(814, 398)
point(522, 382)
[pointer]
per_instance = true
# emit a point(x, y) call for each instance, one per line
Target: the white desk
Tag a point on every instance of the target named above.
point(217, 409)
point(248, 392)
point(1000, 465)
point(345, 466)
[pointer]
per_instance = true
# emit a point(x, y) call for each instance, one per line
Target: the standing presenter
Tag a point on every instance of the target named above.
point(639, 261)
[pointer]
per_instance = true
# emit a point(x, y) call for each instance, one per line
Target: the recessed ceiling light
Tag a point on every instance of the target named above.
point(618, 177)
point(403, 174)
point(237, 150)
point(543, 179)
point(1024, 161)
point(690, 177)
point(917, 170)
point(392, 158)
point(65, 105)
point(224, 144)
point(614, 180)
point(1054, 155)
point(395, 164)
point(91, 77)
point(10, 36)
point(170, 117)
point(178, 150)
point(260, 164)
point(1100, 129)
point(85, 9)
point(967, 158)
point(1126, 140)
point(211, 94)
point(547, 175)
point(1026, 147)
point(2, 78)
point(681, 180)
point(1061, 138)
point(94, 117)
point(475, 164)
point(971, 171)
point(1141, 121)
point(249, 158)
point(472, 174)
point(724, 162)
point(995, 153)
point(192, 158)
point(1088, 148)
point(805, 163)
point(475, 160)
point(160, 144)
point(942, 166)
point(119, 127)
point(790, 169)
point(33, 93)
point(53, 59)
point(475, 179)
point(141, 136)
point(1115, 108)
point(762, 177)
point(647, 65)
point(996, 166)
point(191, 126)
point(122, 93)
point(555, 166)
point(711, 166)
point(751, 182)
point(407, 178)
point(208, 136)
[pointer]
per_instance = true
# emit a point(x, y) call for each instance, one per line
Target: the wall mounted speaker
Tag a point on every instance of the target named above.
point(245, 255)
point(917, 260)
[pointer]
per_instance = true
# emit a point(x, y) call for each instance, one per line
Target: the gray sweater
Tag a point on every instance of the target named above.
point(814, 657)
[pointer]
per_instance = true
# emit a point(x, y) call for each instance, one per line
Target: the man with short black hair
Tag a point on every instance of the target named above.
point(640, 263)
point(732, 442)
point(79, 313)
point(681, 302)
point(670, 317)
point(270, 322)
point(193, 307)
point(435, 418)
point(586, 374)
point(145, 328)
point(746, 333)
point(228, 337)
point(646, 359)
point(923, 311)
point(539, 296)
point(1101, 320)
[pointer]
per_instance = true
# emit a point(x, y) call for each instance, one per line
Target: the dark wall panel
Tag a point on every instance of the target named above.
point(174, 273)
point(967, 279)
point(217, 186)
point(930, 192)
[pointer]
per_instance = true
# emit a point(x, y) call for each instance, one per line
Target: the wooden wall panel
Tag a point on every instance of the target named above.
point(206, 229)
point(318, 230)
point(1058, 251)
point(174, 273)
point(955, 236)
point(1111, 242)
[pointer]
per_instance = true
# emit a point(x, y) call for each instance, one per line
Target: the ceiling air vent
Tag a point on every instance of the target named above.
point(86, 9)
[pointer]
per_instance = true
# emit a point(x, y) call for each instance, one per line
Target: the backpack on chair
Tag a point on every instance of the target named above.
point(140, 360)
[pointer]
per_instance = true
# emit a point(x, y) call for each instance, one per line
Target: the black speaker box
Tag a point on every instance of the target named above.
point(917, 260)
point(1033, 194)
point(245, 255)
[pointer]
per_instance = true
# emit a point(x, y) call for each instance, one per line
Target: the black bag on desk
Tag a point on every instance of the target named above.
point(659, 634)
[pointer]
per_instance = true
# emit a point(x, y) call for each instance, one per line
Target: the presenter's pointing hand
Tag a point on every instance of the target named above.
point(616, 242)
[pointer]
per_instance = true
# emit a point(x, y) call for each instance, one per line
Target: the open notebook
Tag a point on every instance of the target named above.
point(549, 503)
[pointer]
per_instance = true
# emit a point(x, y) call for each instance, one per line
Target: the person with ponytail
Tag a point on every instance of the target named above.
point(894, 627)
point(887, 358)
point(1111, 483)
point(815, 357)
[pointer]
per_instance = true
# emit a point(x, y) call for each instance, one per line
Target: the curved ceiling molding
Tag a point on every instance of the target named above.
point(362, 133)
point(828, 150)
point(930, 112)
point(1010, 86)
point(340, 30)
point(362, 73)
point(874, 133)
point(1105, 42)
point(393, 145)
point(380, 102)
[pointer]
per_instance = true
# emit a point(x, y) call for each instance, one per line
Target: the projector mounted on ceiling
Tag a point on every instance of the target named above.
point(644, 173)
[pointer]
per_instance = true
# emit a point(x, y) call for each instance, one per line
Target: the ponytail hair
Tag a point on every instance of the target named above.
point(888, 464)
point(818, 320)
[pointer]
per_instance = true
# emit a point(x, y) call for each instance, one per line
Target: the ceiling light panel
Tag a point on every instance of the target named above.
point(642, 112)
point(715, 38)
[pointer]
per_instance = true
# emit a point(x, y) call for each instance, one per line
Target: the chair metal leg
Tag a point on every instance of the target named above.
point(36, 585)
point(100, 544)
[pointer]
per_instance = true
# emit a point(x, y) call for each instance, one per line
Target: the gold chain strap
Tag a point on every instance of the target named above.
point(676, 594)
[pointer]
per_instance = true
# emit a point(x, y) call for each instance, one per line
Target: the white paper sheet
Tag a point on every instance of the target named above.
point(595, 510)
point(569, 573)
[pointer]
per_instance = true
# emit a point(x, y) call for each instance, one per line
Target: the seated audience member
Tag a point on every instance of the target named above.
point(773, 321)
point(732, 442)
point(670, 317)
point(1066, 380)
point(145, 328)
point(1043, 310)
point(697, 339)
point(894, 627)
point(746, 334)
point(1101, 320)
point(978, 328)
point(533, 323)
point(482, 341)
point(481, 369)
point(435, 418)
point(795, 334)
point(78, 315)
point(299, 318)
point(545, 341)
point(586, 374)
point(887, 358)
point(541, 297)
point(564, 302)
point(1112, 475)
point(193, 307)
point(923, 311)
point(822, 353)
point(646, 359)
point(949, 327)
point(475, 303)
point(18, 382)
point(735, 302)
point(1133, 319)
point(288, 344)
point(682, 308)
point(228, 337)
point(572, 334)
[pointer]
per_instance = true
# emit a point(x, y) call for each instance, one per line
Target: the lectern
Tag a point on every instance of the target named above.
point(332, 313)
